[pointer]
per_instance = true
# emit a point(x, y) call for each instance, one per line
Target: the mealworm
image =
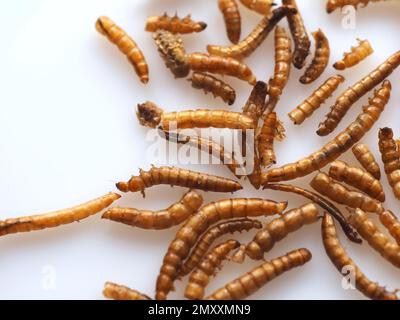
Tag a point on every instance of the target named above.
point(232, 18)
point(266, 140)
point(218, 88)
point(255, 105)
point(332, 5)
point(317, 98)
point(196, 225)
point(248, 45)
point(150, 115)
point(337, 192)
point(357, 178)
point(208, 267)
point(174, 24)
point(341, 260)
point(178, 177)
point(126, 45)
point(375, 238)
point(340, 144)
point(320, 60)
point(390, 221)
point(207, 239)
point(244, 286)
point(364, 155)
point(203, 62)
point(57, 218)
point(158, 220)
point(260, 6)
point(354, 93)
point(300, 36)
point(118, 292)
point(357, 54)
point(391, 159)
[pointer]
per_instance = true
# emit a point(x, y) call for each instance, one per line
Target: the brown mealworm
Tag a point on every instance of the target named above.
point(232, 18)
point(174, 24)
point(332, 5)
point(365, 157)
point(392, 223)
point(118, 292)
point(260, 6)
point(265, 140)
point(357, 54)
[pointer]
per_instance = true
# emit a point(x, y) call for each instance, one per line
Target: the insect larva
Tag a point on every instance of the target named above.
point(189, 233)
point(391, 159)
point(174, 24)
point(118, 292)
point(354, 93)
point(364, 155)
point(337, 192)
point(150, 115)
point(390, 221)
point(158, 220)
point(126, 44)
point(317, 98)
point(255, 105)
point(207, 239)
point(340, 259)
point(203, 62)
point(178, 177)
point(320, 60)
point(261, 6)
point(357, 54)
point(300, 36)
point(207, 268)
point(248, 45)
point(332, 5)
point(335, 148)
point(244, 286)
point(57, 218)
point(357, 178)
point(217, 87)
point(266, 140)
point(232, 18)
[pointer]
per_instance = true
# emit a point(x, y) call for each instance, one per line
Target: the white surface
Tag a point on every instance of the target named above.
point(68, 132)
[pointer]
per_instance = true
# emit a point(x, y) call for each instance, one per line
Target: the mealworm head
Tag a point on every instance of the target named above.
point(122, 186)
point(386, 133)
point(149, 114)
point(200, 26)
point(340, 65)
point(134, 185)
point(101, 25)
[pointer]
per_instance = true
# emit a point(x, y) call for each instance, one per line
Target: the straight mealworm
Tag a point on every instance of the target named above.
point(232, 18)
point(118, 292)
point(174, 24)
point(357, 54)
point(392, 223)
point(266, 140)
point(365, 157)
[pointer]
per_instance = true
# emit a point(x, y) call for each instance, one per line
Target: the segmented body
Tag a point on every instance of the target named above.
point(357, 54)
point(392, 223)
point(118, 292)
point(174, 24)
point(232, 18)
point(266, 140)
point(332, 5)
point(364, 155)
point(261, 6)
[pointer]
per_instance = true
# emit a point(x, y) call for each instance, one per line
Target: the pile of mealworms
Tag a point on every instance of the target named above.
point(193, 253)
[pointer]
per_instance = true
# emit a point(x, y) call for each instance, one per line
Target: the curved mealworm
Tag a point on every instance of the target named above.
point(232, 18)
point(249, 283)
point(317, 98)
point(332, 5)
point(320, 60)
point(390, 221)
point(158, 220)
point(354, 93)
point(57, 218)
point(260, 6)
point(340, 144)
point(391, 159)
point(174, 24)
point(266, 140)
point(118, 292)
point(357, 54)
point(364, 155)
point(248, 45)
point(188, 234)
point(126, 44)
point(340, 259)
point(207, 268)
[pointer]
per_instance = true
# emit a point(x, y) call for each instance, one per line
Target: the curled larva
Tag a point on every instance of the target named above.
point(158, 220)
point(265, 140)
point(232, 18)
point(357, 54)
point(320, 60)
point(244, 286)
point(317, 98)
point(365, 157)
point(260, 6)
point(174, 24)
point(118, 292)
point(207, 268)
point(126, 44)
point(332, 5)
point(341, 260)
point(355, 92)
point(392, 223)
point(57, 218)
point(190, 232)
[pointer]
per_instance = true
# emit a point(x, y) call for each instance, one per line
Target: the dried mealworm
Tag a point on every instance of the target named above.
point(207, 239)
point(266, 140)
point(260, 6)
point(218, 88)
point(391, 159)
point(300, 36)
point(357, 54)
point(255, 105)
point(248, 45)
point(364, 155)
point(126, 44)
point(158, 220)
point(207, 268)
point(390, 221)
point(174, 24)
point(354, 93)
point(189, 233)
point(118, 292)
point(232, 18)
point(317, 98)
point(249, 283)
point(332, 5)
point(340, 144)
point(57, 218)
point(320, 60)
point(337, 192)
point(340, 259)
point(178, 177)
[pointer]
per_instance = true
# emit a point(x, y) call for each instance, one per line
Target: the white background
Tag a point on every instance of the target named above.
point(68, 132)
